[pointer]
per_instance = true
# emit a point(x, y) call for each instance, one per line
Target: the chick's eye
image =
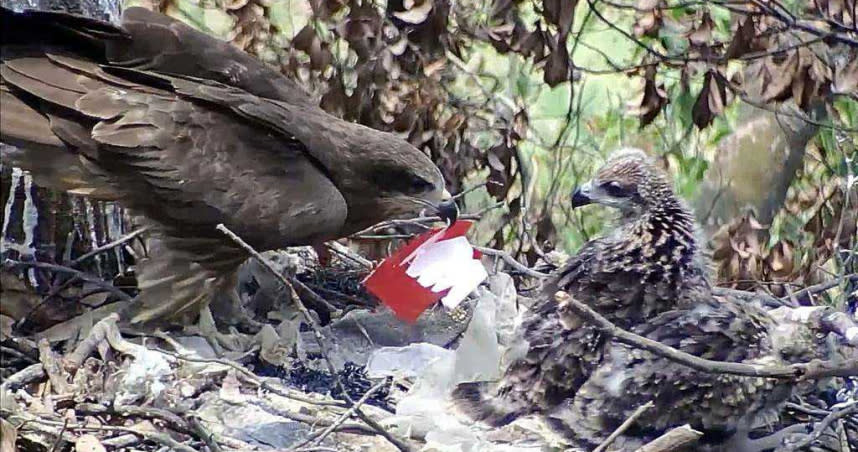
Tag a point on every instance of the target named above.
point(615, 189)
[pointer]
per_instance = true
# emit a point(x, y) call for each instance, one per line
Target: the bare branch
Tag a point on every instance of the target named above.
point(811, 370)
point(624, 426)
point(317, 333)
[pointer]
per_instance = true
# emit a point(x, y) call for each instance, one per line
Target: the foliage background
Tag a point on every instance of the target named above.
point(749, 104)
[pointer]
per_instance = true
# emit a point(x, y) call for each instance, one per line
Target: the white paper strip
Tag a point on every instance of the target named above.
point(448, 264)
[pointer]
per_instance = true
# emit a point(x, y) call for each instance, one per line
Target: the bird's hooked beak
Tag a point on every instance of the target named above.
point(581, 195)
point(447, 208)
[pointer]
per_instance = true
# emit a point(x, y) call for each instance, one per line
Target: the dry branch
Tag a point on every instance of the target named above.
point(624, 426)
point(317, 333)
point(813, 369)
point(672, 440)
point(840, 413)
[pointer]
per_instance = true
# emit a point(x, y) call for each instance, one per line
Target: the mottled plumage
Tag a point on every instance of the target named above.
point(646, 265)
point(190, 131)
point(646, 276)
point(718, 405)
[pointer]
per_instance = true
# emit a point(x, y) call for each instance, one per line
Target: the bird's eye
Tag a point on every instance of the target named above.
point(615, 189)
point(420, 185)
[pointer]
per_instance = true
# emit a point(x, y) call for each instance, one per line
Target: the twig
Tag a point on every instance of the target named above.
point(672, 440)
point(464, 192)
point(156, 437)
point(317, 333)
point(355, 428)
point(253, 378)
point(845, 410)
point(418, 221)
point(624, 426)
point(344, 251)
point(202, 432)
point(506, 257)
point(318, 438)
point(60, 436)
point(171, 420)
point(77, 273)
point(53, 368)
point(813, 369)
point(23, 377)
point(318, 301)
point(108, 246)
point(822, 287)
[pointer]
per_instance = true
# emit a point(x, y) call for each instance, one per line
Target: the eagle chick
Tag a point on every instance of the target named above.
point(647, 265)
point(646, 276)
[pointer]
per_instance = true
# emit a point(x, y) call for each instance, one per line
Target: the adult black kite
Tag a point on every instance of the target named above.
point(190, 132)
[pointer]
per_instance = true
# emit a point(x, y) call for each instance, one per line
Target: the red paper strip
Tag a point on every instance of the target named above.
point(400, 292)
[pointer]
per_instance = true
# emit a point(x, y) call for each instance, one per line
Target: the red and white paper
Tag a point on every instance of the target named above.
point(438, 265)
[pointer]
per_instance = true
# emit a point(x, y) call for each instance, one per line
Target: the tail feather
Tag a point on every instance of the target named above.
point(478, 402)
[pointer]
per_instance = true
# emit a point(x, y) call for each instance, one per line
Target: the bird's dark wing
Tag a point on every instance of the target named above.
point(184, 163)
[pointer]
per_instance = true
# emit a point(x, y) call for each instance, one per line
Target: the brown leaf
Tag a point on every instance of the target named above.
point(742, 39)
point(416, 11)
point(780, 260)
point(702, 34)
point(557, 68)
point(710, 102)
point(803, 89)
point(499, 162)
point(778, 76)
point(654, 98)
point(534, 44)
point(560, 13)
point(648, 19)
point(304, 39)
point(648, 24)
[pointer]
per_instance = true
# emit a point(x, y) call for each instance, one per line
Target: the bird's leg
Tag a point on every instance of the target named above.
point(323, 253)
point(227, 310)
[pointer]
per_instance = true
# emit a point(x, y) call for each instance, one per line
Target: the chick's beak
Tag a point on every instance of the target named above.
point(447, 208)
point(581, 196)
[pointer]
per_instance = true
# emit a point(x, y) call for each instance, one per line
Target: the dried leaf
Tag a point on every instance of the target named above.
point(560, 13)
point(499, 161)
point(534, 44)
point(557, 68)
point(781, 259)
point(778, 77)
point(702, 34)
point(9, 436)
point(711, 100)
point(415, 13)
point(742, 39)
point(648, 19)
point(653, 100)
point(304, 39)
